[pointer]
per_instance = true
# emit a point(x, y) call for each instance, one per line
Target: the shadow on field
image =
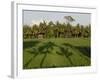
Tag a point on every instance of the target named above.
point(34, 52)
point(29, 44)
point(65, 52)
point(45, 49)
point(84, 50)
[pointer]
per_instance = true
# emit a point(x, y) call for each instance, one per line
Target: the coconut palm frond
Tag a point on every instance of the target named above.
point(69, 18)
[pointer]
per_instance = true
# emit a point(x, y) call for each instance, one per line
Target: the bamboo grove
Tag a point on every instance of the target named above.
point(56, 30)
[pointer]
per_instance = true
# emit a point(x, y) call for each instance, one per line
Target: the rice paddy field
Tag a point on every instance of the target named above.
point(56, 52)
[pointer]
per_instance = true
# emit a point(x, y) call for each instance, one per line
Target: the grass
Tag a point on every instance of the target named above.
point(57, 52)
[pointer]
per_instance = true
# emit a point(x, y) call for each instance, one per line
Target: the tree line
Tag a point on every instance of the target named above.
point(56, 30)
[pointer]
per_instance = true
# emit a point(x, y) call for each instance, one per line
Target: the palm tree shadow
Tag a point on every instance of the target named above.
point(46, 49)
point(65, 52)
point(68, 45)
point(29, 44)
point(84, 50)
point(34, 52)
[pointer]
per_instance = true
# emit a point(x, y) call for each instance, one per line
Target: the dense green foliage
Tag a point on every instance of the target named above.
point(49, 45)
point(56, 30)
point(56, 52)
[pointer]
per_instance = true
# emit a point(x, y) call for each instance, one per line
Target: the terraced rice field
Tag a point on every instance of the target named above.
point(56, 52)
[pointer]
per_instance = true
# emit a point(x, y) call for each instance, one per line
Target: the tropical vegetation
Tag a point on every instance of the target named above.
point(55, 44)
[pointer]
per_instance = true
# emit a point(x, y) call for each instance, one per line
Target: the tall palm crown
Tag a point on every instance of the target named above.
point(69, 18)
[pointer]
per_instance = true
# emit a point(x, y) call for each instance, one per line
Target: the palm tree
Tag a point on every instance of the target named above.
point(61, 30)
point(77, 30)
point(69, 19)
point(49, 30)
point(82, 31)
point(35, 30)
point(87, 31)
point(43, 28)
point(25, 28)
point(51, 24)
point(56, 29)
point(27, 31)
